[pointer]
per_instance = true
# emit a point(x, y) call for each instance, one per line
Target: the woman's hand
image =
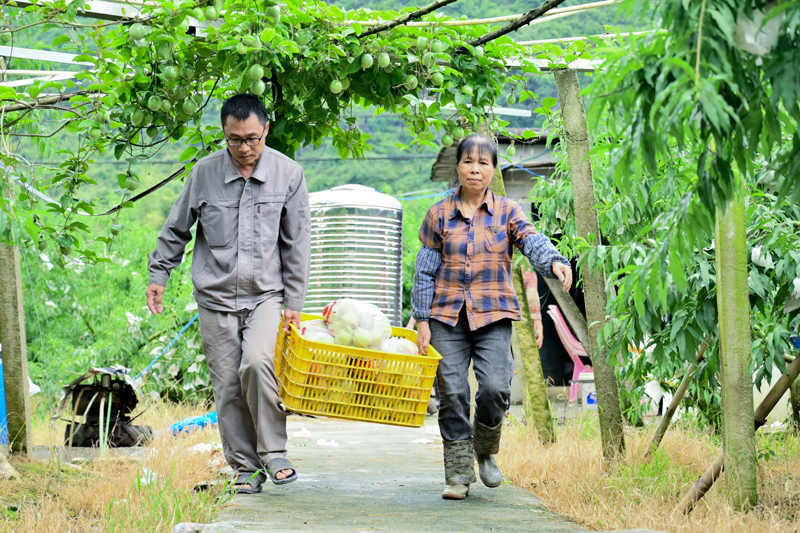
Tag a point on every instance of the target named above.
point(538, 329)
point(564, 273)
point(423, 337)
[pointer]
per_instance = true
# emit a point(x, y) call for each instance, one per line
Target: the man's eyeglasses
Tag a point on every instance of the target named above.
point(248, 142)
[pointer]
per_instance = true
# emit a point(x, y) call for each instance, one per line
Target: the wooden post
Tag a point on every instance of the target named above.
point(733, 309)
point(570, 311)
point(580, 169)
point(15, 354)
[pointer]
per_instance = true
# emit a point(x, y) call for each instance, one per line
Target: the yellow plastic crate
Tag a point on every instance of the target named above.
point(354, 383)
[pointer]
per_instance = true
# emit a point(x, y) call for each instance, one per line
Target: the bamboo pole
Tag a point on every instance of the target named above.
point(701, 486)
point(585, 38)
point(661, 430)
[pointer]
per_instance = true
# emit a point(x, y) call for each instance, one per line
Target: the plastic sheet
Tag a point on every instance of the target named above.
point(355, 323)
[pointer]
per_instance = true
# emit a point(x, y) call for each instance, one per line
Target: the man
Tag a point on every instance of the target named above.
point(251, 255)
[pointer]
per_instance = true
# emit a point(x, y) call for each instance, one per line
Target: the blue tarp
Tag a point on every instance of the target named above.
point(195, 422)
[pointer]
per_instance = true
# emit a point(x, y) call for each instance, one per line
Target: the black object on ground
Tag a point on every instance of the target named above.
point(111, 397)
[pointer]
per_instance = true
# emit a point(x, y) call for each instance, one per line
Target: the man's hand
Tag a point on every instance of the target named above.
point(564, 274)
point(538, 329)
point(423, 337)
point(290, 317)
point(155, 296)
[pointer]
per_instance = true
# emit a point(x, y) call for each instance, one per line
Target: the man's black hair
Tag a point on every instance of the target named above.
point(241, 106)
point(482, 144)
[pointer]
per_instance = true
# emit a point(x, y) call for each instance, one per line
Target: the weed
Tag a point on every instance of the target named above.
point(145, 493)
point(571, 480)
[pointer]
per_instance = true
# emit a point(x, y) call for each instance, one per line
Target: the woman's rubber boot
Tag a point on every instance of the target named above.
point(455, 492)
point(487, 443)
point(459, 468)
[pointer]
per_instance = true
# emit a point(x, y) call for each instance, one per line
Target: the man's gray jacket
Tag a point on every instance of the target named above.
point(253, 239)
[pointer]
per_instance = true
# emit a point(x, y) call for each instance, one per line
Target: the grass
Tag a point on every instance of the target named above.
point(570, 479)
point(148, 493)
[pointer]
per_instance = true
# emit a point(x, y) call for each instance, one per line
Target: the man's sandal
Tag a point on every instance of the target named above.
point(276, 465)
point(240, 485)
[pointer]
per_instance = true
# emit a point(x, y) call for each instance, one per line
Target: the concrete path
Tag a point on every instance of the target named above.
point(380, 478)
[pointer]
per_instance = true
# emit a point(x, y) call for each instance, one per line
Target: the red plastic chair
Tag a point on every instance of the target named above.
point(574, 349)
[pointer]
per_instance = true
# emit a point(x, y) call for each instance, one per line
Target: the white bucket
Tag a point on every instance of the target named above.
point(588, 392)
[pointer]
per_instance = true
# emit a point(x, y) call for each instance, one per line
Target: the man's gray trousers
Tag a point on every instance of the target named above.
point(240, 352)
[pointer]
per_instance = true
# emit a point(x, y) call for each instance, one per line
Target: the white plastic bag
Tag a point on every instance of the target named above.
point(316, 331)
point(399, 345)
point(354, 323)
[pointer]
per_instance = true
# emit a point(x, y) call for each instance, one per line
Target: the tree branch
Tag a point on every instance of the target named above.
point(42, 135)
point(676, 401)
point(514, 26)
point(42, 101)
point(407, 18)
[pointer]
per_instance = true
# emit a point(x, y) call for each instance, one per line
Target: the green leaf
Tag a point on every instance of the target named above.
point(78, 98)
point(549, 102)
point(267, 35)
point(73, 8)
point(119, 151)
point(188, 153)
point(353, 67)
point(678, 273)
point(60, 40)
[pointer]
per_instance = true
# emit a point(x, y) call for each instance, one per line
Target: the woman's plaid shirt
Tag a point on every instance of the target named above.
point(468, 262)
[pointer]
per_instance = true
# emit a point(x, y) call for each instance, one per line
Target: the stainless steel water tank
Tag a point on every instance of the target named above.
point(356, 249)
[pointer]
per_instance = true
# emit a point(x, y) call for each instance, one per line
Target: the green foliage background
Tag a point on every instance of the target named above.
point(81, 315)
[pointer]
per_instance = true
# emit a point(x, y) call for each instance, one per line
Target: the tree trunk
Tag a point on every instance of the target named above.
point(738, 433)
point(536, 403)
point(577, 144)
point(15, 354)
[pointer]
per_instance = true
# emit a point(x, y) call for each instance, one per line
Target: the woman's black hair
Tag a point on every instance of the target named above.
point(241, 106)
point(476, 142)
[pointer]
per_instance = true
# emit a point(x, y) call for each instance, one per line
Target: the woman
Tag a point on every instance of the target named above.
point(464, 302)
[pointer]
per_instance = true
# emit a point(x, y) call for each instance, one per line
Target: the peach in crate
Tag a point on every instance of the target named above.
point(355, 383)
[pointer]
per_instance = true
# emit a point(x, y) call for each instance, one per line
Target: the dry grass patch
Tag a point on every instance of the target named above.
point(569, 478)
point(147, 493)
